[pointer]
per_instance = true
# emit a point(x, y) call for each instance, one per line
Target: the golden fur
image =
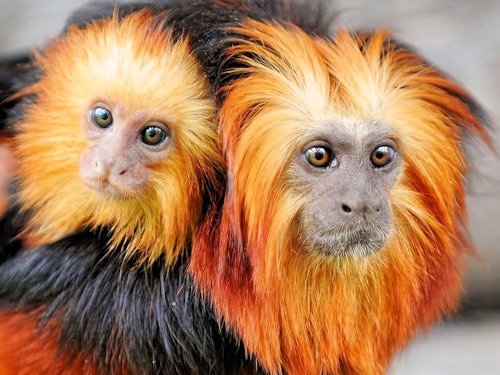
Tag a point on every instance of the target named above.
point(310, 314)
point(134, 63)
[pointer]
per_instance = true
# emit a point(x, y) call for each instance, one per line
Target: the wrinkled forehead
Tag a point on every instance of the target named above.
point(352, 129)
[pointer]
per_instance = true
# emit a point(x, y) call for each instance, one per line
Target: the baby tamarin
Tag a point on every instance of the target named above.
point(121, 135)
point(118, 160)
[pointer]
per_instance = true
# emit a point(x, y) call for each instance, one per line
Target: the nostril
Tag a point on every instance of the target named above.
point(346, 208)
point(378, 208)
point(122, 172)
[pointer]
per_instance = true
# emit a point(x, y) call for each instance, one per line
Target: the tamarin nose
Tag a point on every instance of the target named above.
point(121, 168)
point(100, 170)
point(360, 207)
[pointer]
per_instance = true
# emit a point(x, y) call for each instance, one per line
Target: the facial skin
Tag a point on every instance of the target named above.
point(348, 171)
point(122, 147)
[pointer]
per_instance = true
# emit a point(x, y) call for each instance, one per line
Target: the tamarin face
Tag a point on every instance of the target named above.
point(343, 227)
point(121, 150)
point(120, 135)
point(348, 168)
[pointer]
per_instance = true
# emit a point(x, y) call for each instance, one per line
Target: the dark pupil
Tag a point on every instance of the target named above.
point(152, 132)
point(317, 157)
point(380, 154)
point(320, 154)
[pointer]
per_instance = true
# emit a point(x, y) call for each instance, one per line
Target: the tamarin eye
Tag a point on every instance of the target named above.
point(102, 117)
point(382, 156)
point(153, 135)
point(319, 157)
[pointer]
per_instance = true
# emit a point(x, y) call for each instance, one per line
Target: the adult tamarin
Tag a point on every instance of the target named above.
point(343, 226)
point(118, 159)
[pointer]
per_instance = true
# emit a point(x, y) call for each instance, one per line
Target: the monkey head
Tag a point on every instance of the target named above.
point(346, 170)
point(342, 229)
point(121, 135)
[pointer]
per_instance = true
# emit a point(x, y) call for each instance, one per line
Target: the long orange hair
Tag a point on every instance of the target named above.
point(305, 314)
point(138, 63)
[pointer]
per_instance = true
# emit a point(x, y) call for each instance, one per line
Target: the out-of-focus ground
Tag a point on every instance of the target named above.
point(462, 37)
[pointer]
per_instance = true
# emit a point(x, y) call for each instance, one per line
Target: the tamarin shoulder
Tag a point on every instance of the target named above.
point(96, 307)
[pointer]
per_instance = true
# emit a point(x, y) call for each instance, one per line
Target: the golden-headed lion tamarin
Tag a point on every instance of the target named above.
point(118, 160)
point(342, 230)
point(122, 121)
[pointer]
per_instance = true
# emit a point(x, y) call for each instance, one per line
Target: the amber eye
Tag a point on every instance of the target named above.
point(153, 135)
point(319, 157)
point(102, 117)
point(382, 156)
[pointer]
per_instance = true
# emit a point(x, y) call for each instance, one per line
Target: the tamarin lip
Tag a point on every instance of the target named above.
point(356, 242)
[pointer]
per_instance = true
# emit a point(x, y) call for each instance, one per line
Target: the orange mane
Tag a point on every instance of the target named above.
point(306, 314)
point(136, 63)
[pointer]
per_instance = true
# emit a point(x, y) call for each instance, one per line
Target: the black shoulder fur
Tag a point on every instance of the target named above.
point(146, 320)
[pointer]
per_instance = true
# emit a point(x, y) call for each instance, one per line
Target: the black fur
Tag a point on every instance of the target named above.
point(150, 319)
point(15, 74)
point(11, 225)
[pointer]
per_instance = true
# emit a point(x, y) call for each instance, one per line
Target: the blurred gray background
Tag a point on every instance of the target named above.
point(462, 37)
